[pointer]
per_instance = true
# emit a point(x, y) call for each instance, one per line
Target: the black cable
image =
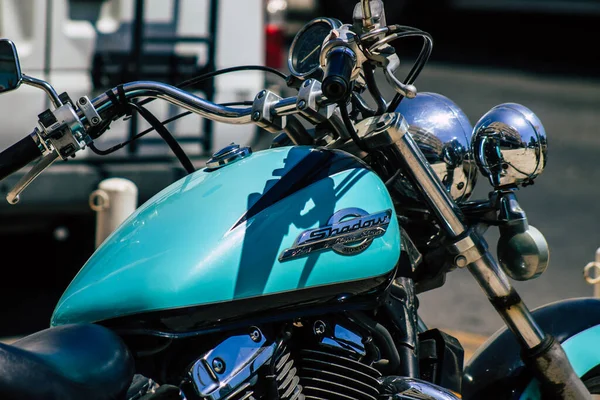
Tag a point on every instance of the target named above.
point(422, 59)
point(350, 127)
point(166, 121)
point(359, 103)
point(167, 137)
point(198, 79)
point(373, 89)
point(382, 336)
point(418, 65)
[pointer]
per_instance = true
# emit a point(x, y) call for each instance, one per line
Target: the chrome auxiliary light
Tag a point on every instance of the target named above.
point(510, 147)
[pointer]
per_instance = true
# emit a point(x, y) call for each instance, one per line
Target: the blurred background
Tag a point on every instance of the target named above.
point(486, 52)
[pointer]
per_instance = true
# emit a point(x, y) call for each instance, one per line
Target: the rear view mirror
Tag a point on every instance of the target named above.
point(10, 70)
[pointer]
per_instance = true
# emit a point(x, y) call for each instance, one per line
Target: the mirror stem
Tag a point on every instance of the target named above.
point(45, 86)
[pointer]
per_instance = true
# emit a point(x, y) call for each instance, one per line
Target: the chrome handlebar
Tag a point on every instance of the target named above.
point(178, 97)
point(195, 104)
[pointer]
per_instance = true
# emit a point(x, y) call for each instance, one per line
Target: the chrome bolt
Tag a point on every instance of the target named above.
point(95, 120)
point(261, 94)
point(255, 335)
point(460, 261)
point(82, 100)
point(218, 365)
point(319, 327)
point(302, 104)
point(256, 116)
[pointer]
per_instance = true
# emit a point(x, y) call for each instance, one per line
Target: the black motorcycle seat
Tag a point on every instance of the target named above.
point(82, 361)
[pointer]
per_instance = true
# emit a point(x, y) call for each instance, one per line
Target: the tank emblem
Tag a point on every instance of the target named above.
point(348, 231)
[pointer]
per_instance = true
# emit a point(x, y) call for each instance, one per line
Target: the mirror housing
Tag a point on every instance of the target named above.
point(10, 69)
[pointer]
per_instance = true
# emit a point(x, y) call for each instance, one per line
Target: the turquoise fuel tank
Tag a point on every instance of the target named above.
point(279, 226)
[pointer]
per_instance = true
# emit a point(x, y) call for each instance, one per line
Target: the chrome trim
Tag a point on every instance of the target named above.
point(402, 388)
point(180, 98)
point(344, 338)
point(228, 155)
point(238, 358)
point(45, 86)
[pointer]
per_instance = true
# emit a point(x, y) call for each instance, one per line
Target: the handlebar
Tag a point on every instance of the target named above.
point(19, 155)
point(178, 97)
point(195, 104)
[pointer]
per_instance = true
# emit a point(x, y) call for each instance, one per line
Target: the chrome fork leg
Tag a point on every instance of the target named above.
point(541, 352)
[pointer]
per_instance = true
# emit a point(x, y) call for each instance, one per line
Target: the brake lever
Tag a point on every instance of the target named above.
point(390, 63)
point(13, 196)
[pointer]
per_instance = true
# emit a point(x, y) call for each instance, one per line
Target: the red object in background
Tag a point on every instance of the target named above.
point(274, 46)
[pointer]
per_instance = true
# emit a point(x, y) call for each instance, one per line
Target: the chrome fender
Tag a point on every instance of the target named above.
point(496, 371)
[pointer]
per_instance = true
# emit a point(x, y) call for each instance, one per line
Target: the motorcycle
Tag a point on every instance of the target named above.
point(293, 272)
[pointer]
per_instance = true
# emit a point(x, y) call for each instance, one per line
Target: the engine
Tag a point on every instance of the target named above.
point(309, 359)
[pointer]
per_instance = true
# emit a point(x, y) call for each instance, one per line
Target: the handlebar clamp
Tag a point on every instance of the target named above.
point(262, 112)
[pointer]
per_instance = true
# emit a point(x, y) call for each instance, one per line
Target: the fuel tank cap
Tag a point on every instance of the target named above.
point(228, 155)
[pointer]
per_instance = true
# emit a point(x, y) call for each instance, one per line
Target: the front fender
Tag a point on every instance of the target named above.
point(496, 371)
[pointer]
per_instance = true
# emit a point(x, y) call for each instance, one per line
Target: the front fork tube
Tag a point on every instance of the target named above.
point(545, 356)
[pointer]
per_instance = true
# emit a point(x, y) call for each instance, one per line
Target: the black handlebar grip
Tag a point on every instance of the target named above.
point(18, 155)
point(336, 84)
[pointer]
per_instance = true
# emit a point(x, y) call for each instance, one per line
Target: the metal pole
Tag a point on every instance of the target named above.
point(591, 273)
point(114, 201)
point(135, 64)
point(213, 27)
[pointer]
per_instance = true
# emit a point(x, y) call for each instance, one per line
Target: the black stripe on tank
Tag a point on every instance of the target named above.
point(317, 165)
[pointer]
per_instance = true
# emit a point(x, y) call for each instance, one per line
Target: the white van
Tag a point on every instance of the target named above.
point(65, 42)
point(78, 46)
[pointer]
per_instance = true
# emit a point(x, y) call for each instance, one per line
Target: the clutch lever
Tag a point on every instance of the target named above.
point(390, 62)
point(13, 196)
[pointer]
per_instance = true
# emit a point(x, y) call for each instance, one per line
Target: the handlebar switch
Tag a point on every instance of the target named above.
point(47, 119)
point(63, 130)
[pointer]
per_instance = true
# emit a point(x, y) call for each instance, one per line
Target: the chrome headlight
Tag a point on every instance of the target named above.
point(510, 145)
point(443, 133)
